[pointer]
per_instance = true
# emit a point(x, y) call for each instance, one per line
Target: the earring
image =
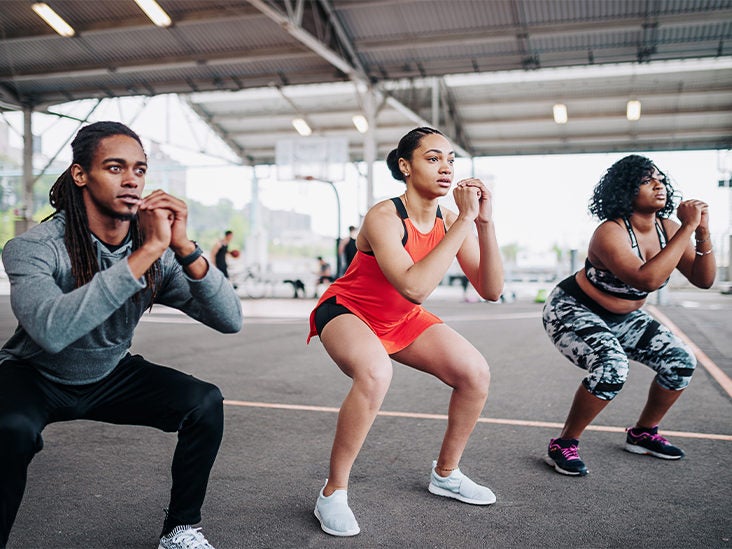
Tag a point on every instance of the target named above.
point(405, 173)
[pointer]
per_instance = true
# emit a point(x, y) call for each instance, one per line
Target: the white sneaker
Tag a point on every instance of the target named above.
point(334, 514)
point(185, 537)
point(460, 487)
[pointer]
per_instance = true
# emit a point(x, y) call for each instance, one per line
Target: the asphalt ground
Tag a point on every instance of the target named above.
point(104, 486)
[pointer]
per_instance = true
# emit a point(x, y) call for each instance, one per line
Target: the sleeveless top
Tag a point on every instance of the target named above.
point(220, 259)
point(365, 291)
point(607, 282)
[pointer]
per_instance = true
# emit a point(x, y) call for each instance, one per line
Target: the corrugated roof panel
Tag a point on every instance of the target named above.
point(126, 45)
point(227, 35)
point(33, 54)
point(85, 13)
point(417, 19)
point(231, 44)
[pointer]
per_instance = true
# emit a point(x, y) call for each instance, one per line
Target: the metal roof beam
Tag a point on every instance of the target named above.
point(541, 30)
point(337, 61)
point(224, 136)
point(162, 64)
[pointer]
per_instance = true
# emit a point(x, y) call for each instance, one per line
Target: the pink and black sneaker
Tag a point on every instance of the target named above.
point(644, 441)
point(564, 457)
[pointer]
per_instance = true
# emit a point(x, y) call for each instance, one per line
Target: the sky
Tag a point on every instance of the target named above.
point(540, 201)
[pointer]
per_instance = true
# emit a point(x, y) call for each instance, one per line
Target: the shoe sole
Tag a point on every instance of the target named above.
point(436, 490)
point(635, 449)
point(338, 533)
point(551, 463)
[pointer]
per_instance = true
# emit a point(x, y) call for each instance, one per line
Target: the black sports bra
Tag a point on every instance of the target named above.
point(607, 282)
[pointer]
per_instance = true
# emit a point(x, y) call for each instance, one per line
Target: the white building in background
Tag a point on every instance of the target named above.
point(166, 173)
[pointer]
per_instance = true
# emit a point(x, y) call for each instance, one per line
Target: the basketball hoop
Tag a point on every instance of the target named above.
point(318, 158)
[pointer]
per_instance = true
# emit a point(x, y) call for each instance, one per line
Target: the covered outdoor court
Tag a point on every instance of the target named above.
point(102, 486)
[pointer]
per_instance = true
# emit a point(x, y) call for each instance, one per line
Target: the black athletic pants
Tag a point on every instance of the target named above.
point(136, 392)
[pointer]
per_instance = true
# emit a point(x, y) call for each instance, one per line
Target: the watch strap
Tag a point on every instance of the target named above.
point(191, 257)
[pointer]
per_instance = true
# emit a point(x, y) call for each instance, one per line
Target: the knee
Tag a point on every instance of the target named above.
point(375, 381)
point(678, 374)
point(607, 379)
point(206, 404)
point(475, 377)
point(19, 436)
point(602, 390)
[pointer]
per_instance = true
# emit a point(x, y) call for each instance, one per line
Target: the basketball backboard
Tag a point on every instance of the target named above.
point(322, 158)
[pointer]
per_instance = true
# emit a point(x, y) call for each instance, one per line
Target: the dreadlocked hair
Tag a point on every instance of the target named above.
point(65, 196)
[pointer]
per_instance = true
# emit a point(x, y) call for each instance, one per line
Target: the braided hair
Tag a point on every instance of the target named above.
point(407, 145)
point(65, 196)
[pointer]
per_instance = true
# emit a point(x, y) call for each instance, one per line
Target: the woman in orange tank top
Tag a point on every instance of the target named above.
point(372, 315)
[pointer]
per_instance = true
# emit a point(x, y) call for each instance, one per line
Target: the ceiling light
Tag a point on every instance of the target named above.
point(560, 113)
point(361, 123)
point(301, 126)
point(55, 21)
point(156, 14)
point(633, 110)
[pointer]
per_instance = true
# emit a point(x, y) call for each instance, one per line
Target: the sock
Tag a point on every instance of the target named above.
point(651, 430)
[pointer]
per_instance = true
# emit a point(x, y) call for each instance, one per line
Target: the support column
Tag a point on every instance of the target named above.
point(435, 103)
point(369, 148)
point(256, 245)
point(25, 219)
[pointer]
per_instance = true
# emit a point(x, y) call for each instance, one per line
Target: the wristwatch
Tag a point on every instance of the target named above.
point(191, 257)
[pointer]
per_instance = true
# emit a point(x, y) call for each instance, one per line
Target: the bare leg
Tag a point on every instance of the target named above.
point(659, 402)
point(585, 408)
point(360, 355)
point(448, 356)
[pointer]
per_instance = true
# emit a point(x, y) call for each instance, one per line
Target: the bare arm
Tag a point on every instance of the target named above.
point(215, 250)
point(382, 233)
point(480, 258)
point(697, 263)
point(611, 247)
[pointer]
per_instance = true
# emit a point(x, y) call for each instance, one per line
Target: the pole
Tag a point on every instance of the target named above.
point(338, 233)
point(26, 213)
point(338, 210)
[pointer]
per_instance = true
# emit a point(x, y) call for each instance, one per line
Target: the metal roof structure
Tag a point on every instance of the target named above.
point(486, 72)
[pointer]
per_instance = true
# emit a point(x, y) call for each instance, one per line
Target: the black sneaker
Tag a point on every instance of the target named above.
point(563, 456)
point(649, 442)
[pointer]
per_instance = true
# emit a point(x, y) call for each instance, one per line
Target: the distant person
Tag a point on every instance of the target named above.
point(220, 251)
point(372, 315)
point(348, 248)
point(325, 274)
point(80, 281)
point(595, 319)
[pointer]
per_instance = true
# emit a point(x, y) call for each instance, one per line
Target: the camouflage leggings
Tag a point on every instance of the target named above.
point(601, 342)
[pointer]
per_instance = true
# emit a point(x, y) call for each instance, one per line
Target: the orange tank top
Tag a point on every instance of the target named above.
point(365, 291)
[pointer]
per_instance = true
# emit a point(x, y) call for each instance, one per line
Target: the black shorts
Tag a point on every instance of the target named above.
point(327, 311)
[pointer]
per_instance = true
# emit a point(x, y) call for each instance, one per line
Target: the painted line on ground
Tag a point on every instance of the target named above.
point(504, 316)
point(715, 371)
point(443, 417)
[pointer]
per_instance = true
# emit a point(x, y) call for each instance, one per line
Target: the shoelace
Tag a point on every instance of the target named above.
point(193, 539)
point(656, 438)
point(570, 453)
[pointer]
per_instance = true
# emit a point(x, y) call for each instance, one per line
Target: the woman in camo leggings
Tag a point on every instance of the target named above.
point(594, 317)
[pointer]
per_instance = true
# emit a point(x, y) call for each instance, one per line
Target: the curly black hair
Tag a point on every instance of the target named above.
point(613, 195)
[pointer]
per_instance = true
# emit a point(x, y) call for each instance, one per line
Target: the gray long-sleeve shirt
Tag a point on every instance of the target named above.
point(78, 335)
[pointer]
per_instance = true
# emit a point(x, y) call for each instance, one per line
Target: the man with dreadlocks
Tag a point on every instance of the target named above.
point(80, 281)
